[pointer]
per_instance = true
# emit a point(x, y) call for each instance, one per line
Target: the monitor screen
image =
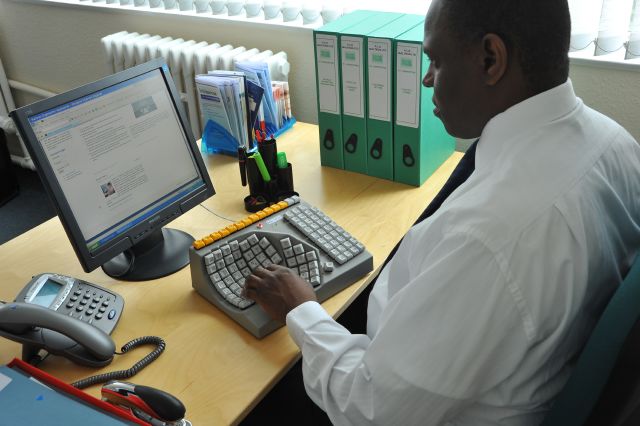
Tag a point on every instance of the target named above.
point(119, 162)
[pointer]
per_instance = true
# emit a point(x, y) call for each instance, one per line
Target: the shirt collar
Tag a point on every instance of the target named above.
point(502, 131)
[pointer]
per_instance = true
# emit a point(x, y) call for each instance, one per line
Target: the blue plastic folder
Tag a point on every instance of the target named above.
point(217, 140)
point(27, 401)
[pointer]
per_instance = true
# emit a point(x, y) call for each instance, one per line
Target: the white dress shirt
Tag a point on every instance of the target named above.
point(476, 318)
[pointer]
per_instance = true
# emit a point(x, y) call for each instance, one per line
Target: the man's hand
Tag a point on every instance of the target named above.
point(277, 290)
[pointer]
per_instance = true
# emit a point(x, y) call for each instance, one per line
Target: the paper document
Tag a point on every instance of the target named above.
point(223, 100)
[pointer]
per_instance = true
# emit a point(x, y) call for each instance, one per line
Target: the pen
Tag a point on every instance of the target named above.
point(263, 128)
point(242, 161)
point(261, 166)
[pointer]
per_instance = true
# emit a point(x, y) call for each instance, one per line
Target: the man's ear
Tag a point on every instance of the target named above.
point(495, 58)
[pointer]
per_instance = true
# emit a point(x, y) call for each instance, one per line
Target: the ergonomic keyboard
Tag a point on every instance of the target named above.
point(291, 233)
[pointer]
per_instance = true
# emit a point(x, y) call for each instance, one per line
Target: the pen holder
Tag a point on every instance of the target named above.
point(285, 180)
point(254, 178)
point(262, 193)
point(269, 150)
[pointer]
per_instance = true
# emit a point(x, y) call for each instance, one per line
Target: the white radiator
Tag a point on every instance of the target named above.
point(185, 58)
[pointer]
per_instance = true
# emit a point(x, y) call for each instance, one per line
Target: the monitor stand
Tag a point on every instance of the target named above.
point(163, 252)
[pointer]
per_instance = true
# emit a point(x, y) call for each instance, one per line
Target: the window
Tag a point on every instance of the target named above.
point(603, 30)
point(608, 28)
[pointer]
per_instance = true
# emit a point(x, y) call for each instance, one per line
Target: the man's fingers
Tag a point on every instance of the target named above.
point(259, 272)
point(249, 292)
point(274, 267)
point(250, 287)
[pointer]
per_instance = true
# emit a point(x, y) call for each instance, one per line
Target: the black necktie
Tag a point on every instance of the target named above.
point(353, 318)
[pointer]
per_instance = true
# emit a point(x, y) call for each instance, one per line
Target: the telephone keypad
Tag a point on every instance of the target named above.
point(78, 299)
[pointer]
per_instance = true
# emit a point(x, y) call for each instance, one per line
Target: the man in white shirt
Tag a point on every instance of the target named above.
point(478, 314)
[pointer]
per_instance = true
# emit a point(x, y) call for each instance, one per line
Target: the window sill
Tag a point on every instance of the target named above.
point(613, 61)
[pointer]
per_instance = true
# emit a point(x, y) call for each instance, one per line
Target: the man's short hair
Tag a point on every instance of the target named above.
point(538, 31)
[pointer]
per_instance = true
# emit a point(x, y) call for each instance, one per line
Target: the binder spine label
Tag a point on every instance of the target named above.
point(409, 81)
point(328, 89)
point(379, 68)
point(352, 76)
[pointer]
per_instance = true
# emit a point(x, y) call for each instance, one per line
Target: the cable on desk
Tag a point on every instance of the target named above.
point(215, 214)
point(125, 374)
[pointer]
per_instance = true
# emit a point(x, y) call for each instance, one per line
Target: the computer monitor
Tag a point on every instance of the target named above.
point(119, 161)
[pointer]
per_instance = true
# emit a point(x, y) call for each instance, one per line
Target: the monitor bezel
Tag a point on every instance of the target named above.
point(137, 233)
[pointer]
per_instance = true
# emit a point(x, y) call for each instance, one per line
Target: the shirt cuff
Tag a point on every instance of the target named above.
point(303, 317)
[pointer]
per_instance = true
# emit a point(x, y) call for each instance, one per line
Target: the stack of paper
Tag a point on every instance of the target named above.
point(228, 105)
point(280, 91)
point(258, 72)
point(236, 104)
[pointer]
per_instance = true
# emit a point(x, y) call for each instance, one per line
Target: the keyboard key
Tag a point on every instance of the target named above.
point(270, 251)
point(264, 243)
point(285, 243)
point(248, 255)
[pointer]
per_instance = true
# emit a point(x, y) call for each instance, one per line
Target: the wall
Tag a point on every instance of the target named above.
point(613, 92)
point(57, 48)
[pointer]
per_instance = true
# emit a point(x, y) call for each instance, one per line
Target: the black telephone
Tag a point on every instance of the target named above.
point(64, 316)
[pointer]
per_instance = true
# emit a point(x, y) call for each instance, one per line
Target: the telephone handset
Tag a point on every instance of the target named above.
point(37, 327)
point(65, 316)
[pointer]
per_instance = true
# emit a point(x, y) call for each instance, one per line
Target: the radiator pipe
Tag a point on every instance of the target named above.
point(7, 124)
point(28, 88)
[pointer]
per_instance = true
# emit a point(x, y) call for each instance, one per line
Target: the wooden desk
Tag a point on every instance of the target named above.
point(214, 366)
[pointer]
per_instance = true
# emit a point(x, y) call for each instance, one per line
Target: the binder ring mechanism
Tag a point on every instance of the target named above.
point(376, 149)
point(328, 141)
point(407, 156)
point(352, 144)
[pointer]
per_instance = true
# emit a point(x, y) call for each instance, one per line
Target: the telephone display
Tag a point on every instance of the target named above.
point(76, 298)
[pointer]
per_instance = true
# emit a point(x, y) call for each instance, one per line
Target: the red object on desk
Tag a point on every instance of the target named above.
point(68, 389)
